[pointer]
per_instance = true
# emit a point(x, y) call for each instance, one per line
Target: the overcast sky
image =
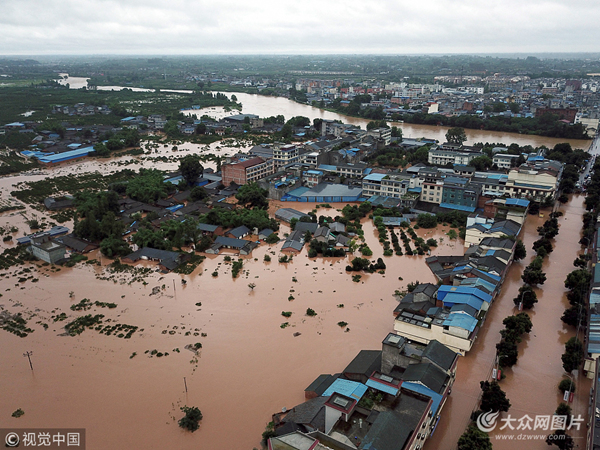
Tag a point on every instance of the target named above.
point(38, 27)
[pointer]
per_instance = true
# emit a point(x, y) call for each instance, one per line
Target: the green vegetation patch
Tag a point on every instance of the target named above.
point(15, 324)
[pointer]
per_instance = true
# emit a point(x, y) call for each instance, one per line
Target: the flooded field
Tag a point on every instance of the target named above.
point(248, 367)
point(530, 385)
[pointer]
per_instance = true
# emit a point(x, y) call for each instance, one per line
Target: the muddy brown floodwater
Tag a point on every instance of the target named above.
point(531, 385)
point(248, 367)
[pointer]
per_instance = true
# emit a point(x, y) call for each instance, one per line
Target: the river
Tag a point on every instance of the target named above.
point(266, 106)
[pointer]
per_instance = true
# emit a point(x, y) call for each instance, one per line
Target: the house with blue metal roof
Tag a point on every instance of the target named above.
point(444, 291)
point(66, 156)
point(352, 389)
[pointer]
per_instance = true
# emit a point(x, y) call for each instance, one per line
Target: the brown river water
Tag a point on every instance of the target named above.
point(249, 367)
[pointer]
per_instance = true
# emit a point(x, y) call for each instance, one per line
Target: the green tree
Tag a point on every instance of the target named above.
point(192, 418)
point(201, 128)
point(566, 385)
point(533, 274)
point(252, 195)
point(508, 353)
point(474, 439)
point(101, 150)
point(575, 315)
point(190, 168)
point(147, 187)
point(520, 251)
point(573, 355)
point(198, 193)
point(493, 397)
point(481, 163)
point(427, 221)
point(113, 246)
point(456, 135)
point(526, 295)
point(397, 132)
point(373, 124)
point(286, 131)
point(561, 439)
point(273, 238)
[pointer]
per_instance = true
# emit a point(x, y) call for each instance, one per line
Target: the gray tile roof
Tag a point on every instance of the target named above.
point(439, 354)
point(427, 374)
point(365, 363)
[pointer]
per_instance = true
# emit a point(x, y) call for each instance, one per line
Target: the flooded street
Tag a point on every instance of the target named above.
point(530, 385)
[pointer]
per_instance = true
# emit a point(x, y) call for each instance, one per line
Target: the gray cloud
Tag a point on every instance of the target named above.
point(329, 26)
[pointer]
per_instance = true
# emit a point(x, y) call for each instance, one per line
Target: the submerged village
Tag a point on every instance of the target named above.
point(334, 207)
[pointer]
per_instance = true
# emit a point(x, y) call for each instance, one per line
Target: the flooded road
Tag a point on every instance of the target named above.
point(248, 367)
point(530, 385)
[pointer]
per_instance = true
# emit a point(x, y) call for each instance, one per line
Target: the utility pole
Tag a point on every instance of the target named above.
point(185, 383)
point(28, 354)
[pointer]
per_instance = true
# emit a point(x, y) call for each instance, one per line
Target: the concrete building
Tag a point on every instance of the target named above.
point(243, 172)
point(45, 249)
point(504, 160)
point(535, 180)
point(284, 154)
point(443, 156)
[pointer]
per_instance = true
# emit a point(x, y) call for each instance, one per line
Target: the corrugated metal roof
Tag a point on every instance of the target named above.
point(375, 177)
point(381, 387)
point(458, 207)
point(67, 155)
point(352, 389)
point(461, 321)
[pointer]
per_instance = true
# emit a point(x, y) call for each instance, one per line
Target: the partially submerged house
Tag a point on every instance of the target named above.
point(244, 247)
point(42, 247)
point(76, 244)
point(167, 260)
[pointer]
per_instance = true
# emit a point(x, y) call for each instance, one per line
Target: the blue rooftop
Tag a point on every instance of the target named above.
point(352, 389)
point(64, 156)
point(445, 290)
point(327, 168)
point(375, 177)
point(461, 321)
point(382, 387)
point(458, 207)
point(517, 202)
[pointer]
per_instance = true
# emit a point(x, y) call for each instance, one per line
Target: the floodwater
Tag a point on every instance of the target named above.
point(249, 367)
point(531, 385)
point(266, 106)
